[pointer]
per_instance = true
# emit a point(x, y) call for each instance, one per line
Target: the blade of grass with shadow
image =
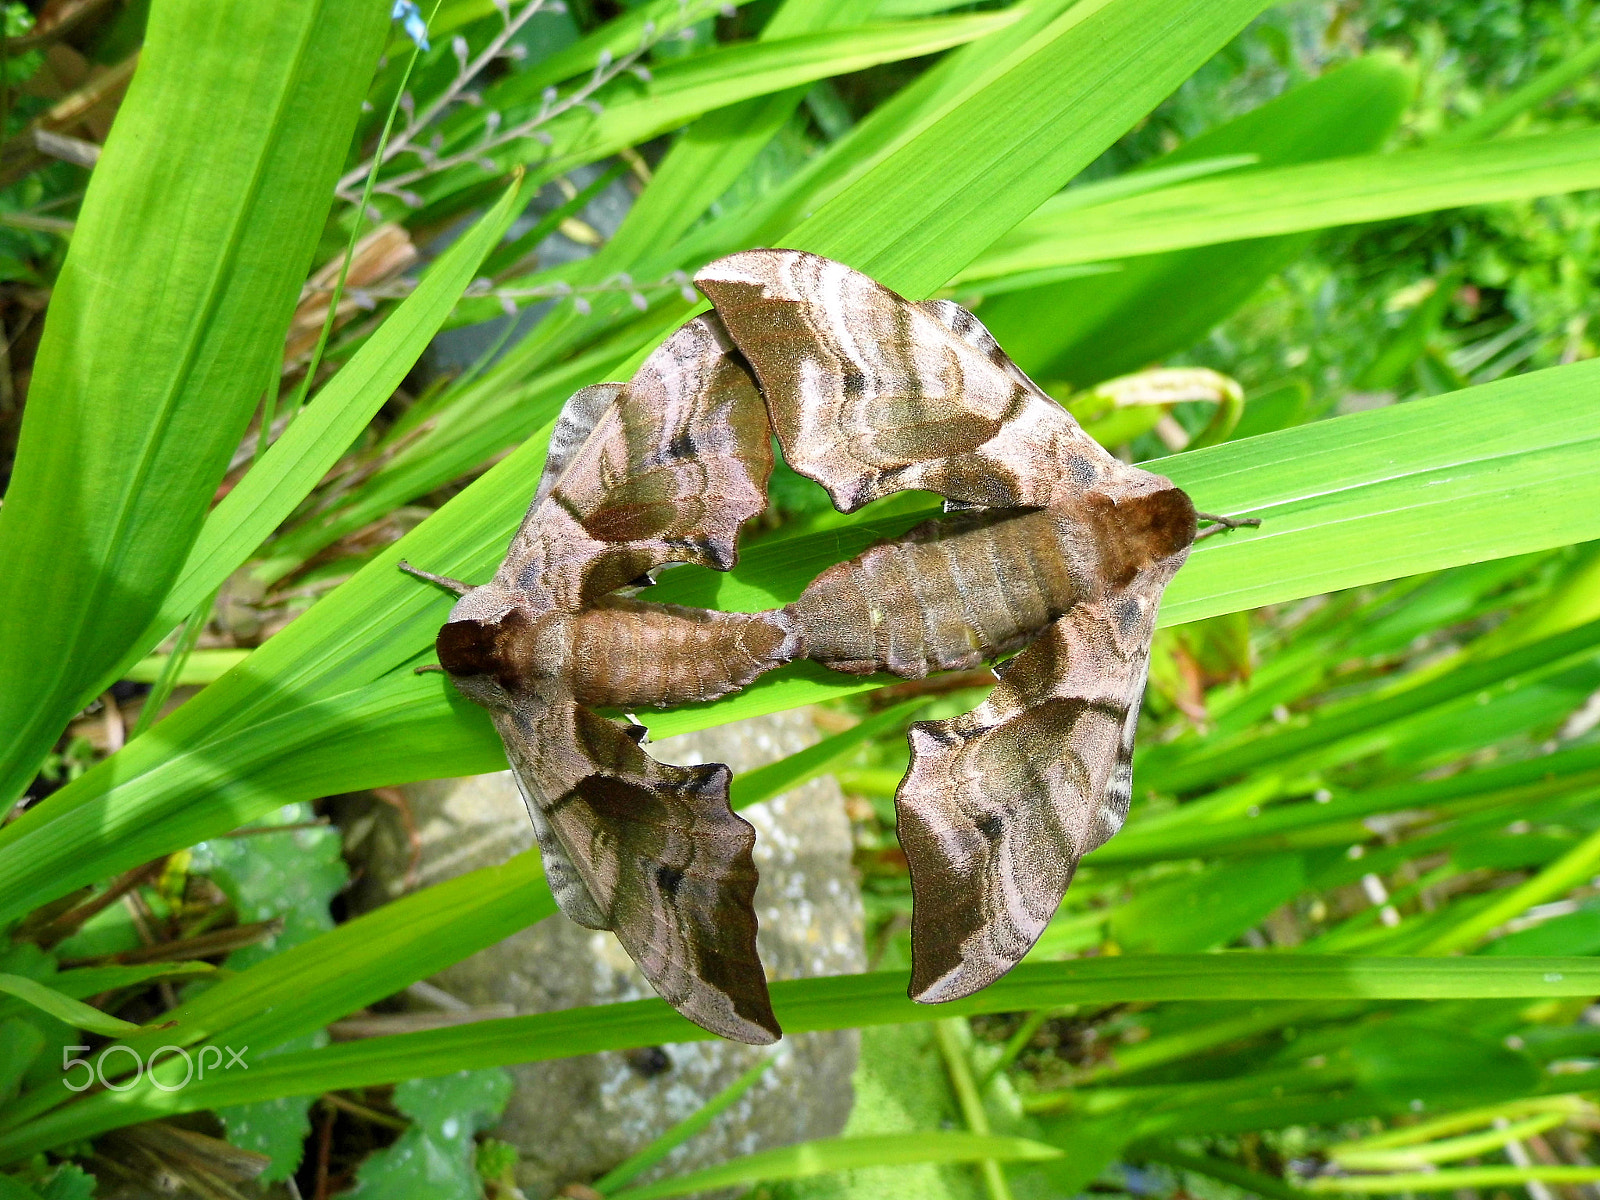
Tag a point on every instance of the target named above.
point(839, 1002)
point(209, 198)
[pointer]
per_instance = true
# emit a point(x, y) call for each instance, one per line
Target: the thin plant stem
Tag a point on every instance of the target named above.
point(952, 1036)
point(1018, 1042)
point(632, 1167)
point(173, 667)
point(356, 223)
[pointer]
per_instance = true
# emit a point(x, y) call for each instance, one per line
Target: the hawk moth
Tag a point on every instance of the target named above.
point(662, 469)
point(1052, 547)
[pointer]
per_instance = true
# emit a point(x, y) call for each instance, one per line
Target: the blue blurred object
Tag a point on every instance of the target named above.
point(410, 17)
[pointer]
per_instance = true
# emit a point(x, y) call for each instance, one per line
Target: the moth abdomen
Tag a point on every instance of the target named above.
point(950, 595)
point(629, 652)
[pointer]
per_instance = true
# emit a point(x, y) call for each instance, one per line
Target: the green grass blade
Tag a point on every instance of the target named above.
point(840, 1002)
point(828, 1155)
point(1281, 200)
point(321, 434)
point(1449, 1179)
point(615, 38)
point(1535, 92)
point(683, 89)
point(186, 262)
point(202, 666)
point(1016, 135)
point(711, 154)
point(63, 1007)
point(91, 981)
point(1464, 477)
point(1087, 330)
point(1192, 768)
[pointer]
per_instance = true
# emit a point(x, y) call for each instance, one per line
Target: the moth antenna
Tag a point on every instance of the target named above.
point(426, 667)
point(1224, 524)
point(444, 581)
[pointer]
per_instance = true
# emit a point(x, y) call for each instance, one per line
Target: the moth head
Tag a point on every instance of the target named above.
point(490, 661)
point(1143, 527)
point(1163, 518)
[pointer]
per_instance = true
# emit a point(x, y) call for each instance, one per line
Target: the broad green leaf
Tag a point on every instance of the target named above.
point(435, 1156)
point(1087, 330)
point(1464, 477)
point(1271, 201)
point(827, 1155)
point(324, 431)
point(165, 324)
point(839, 1002)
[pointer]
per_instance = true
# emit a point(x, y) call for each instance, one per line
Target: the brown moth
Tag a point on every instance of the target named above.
point(662, 469)
point(1054, 547)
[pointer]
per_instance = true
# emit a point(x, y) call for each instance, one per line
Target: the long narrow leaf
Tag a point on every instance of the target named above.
point(827, 1155)
point(1262, 203)
point(833, 1003)
point(320, 434)
point(330, 704)
point(168, 316)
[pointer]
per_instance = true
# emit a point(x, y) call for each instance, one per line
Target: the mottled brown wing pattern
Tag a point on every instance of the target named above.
point(668, 472)
point(1001, 803)
point(1063, 556)
point(579, 415)
point(651, 852)
point(663, 469)
point(871, 394)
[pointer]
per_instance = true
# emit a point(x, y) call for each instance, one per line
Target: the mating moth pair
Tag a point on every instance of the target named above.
point(1050, 547)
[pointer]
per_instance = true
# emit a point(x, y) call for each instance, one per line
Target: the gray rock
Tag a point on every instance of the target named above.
point(574, 1119)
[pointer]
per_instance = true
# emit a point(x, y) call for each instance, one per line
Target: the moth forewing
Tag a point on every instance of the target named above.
point(663, 469)
point(871, 394)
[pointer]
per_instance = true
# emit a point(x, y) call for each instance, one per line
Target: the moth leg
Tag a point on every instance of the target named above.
point(444, 581)
point(426, 667)
point(1224, 524)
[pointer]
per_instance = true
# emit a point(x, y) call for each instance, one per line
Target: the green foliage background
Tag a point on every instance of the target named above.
point(1369, 767)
